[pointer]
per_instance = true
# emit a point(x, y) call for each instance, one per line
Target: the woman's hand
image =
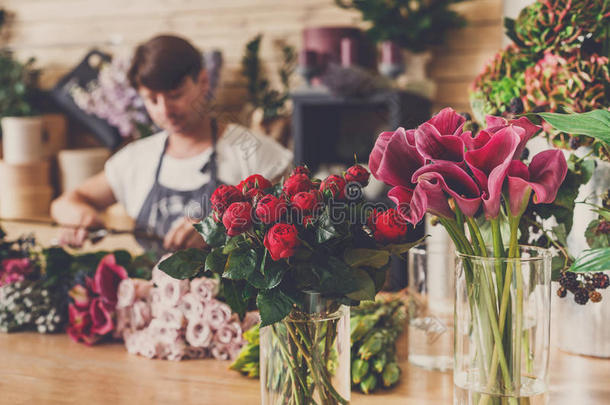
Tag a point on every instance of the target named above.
point(183, 236)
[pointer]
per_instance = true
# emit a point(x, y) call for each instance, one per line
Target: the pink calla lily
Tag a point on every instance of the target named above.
point(489, 165)
point(410, 205)
point(101, 317)
point(477, 142)
point(448, 122)
point(394, 158)
point(544, 176)
point(432, 145)
point(454, 181)
point(496, 124)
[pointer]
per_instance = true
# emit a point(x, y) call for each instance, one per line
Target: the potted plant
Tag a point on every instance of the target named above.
point(21, 126)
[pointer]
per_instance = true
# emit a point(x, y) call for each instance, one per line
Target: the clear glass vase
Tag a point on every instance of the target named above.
point(305, 358)
point(502, 323)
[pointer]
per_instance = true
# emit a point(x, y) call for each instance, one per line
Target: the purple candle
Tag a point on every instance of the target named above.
point(349, 52)
point(390, 53)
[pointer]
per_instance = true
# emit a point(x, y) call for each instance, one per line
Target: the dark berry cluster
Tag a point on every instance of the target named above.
point(583, 286)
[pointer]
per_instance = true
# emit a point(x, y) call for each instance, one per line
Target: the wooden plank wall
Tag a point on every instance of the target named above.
point(59, 32)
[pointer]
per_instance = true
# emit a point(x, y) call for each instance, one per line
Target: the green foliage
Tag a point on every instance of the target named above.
point(261, 95)
point(213, 233)
point(592, 260)
point(184, 264)
point(595, 124)
point(414, 24)
point(17, 86)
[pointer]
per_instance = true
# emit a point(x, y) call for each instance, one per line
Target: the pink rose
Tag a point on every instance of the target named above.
point(123, 322)
point(193, 352)
point(229, 333)
point(141, 314)
point(172, 318)
point(156, 302)
point(225, 352)
point(162, 332)
point(252, 318)
point(192, 306)
point(205, 288)
point(173, 291)
point(143, 288)
point(101, 317)
point(107, 278)
point(126, 293)
point(199, 334)
point(217, 314)
point(175, 351)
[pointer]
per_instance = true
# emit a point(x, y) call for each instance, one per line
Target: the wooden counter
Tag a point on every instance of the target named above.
point(52, 369)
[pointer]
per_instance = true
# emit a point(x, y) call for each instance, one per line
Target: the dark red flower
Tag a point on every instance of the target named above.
point(237, 218)
point(305, 202)
point(440, 137)
point(387, 226)
point(270, 209)
point(281, 241)
point(254, 182)
point(301, 170)
point(333, 187)
point(101, 317)
point(296, 184)
point(394, 158)
point(524, 128)
point(358, 174)
point(224, 196)
point(107, 277)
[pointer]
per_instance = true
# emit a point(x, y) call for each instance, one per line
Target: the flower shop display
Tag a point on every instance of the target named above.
point(375, 327)
point(174, 319)
point(302, 251)
point(475, 186)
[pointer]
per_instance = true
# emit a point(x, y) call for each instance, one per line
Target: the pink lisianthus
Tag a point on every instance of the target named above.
point(229, 333)
point(107, 277)
point(217, 314)
point(173, 290)
point(192, 306)
point(79, 328)
point(204, 288)
point(101, 317)
point(199, 333)
point(14, 270)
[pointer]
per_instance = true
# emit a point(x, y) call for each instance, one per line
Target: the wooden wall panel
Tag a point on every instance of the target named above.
point(59, 32)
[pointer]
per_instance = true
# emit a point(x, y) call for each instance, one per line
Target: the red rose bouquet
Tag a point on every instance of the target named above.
point(276, 245)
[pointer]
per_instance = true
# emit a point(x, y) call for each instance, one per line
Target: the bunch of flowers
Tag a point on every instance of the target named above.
point(112, 98)
point(27, 305)
point(15, 270)
point(276, 246)
point(178, 319)
point(557, 63)
point(92, 310)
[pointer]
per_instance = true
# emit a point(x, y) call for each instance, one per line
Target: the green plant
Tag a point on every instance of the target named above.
point(415, 25)
point(260, 92)
point(17, 86)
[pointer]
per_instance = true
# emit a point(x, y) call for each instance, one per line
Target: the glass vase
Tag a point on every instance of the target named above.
point(502, 324)
point(305, 358)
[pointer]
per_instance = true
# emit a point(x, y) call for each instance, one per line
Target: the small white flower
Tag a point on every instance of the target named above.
point(42, 328)
point(44, 293)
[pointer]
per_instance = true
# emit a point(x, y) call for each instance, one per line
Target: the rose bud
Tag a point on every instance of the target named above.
point(237, 218)
point(301, 170)
point(387, 226)
point(333, 187)
point(357, 174)
point(270, 209)
point(281, 241)
point(297, 183)
point(254, 182)
point(224, 196)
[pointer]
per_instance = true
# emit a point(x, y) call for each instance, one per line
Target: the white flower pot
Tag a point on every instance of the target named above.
point(22, 139)
point(77, 165)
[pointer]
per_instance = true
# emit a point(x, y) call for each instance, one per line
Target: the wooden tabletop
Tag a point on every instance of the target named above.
point(52, 369)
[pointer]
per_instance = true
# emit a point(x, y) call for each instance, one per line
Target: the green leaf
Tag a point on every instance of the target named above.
point(214, 233)
point(595, 124)
point(273, 275)
point(122, 257)
point(592, 260)
point(401, 248)
point(232, 292)
point(273, 305)
point(366, 257)
point(560, 233)
point(240, 264)
point(216, 261)
point(184, 263)
point(235, 243)
point(365, 286)
point(58, 262)
point(596, 239)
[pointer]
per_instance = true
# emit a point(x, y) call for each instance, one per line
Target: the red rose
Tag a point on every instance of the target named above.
point(254, 182)
point(357, 174)
point(107, 277)
point(297, 183)
point(305, 202)
point(224, 196)
point(270, 209)
point(301, 170)
point(281, 241)
point(333, 186)
point(387, 226)
point(237, 218)
point(101, 317)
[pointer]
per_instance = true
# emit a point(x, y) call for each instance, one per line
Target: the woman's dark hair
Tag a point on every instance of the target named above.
point(162, 63)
